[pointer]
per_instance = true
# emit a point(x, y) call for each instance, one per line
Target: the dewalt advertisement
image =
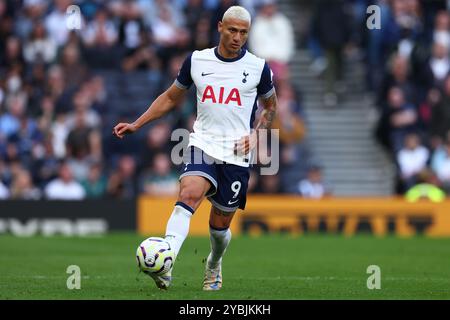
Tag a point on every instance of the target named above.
point(294, 215)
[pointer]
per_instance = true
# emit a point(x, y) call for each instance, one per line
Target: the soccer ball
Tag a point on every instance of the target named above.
point(154, 255)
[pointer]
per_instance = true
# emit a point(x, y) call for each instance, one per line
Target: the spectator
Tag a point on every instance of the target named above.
point(425, 112)
point(95, 183)
point(272, 38)
point(59, 134)
point(39, 47)
point(46, 114)
point(56, 88)
point(142, 58)
point(437, 67)
point(398, 76)
point(404, 27)
point(55, 22)
point(26, 138)
point(12, 56)
point(4, 192)
point(161, 180)
point(64, 187)
point(95, 88)
point(291, 125)
point(72, 65)
point(101, 32)
point(12, 153)
point(440, 164)
point(78, 139)
point(82, 108)
point(100, 39)
point(10, 121)
point(14, 83)
point(313, 186)
point(45, 168)
point(412, 160)
point(82, 146)
point(22, 187)
point(151, 9)
point(427, 188)
point(167, 34)
point(32, 11)
point(122, 183)
point(402, 118)
point(156, 141)
point(441, 33)
point(35, 81)
point(131, 33)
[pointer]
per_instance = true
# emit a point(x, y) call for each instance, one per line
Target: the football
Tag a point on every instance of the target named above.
point(154, 255)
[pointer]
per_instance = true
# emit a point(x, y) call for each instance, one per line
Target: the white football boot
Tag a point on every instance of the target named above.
point(213, 277)
point(162, 281)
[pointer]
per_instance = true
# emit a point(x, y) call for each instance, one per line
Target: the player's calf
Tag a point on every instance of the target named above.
point(220, 237)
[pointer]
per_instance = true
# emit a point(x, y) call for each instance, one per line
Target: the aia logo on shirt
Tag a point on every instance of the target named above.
point(221, 96)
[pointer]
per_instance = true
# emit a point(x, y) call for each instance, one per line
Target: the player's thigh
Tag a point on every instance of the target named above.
point(193, 189)
point(219, 219)
point(231, 189)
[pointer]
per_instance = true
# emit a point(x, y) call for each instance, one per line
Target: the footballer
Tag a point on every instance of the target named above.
point(228, 80)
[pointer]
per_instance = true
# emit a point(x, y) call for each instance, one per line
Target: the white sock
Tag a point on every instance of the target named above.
point(178, 226)
point(219, 243)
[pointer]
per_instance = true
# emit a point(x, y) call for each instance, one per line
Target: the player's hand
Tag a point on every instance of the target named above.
point(122, 129)
point(246, 144)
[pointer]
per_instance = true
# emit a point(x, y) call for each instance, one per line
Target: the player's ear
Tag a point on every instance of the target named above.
point(219, 26)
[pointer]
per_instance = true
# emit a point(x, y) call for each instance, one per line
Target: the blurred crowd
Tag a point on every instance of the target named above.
point(67, 76)
point(414, 90)
point(408, 69)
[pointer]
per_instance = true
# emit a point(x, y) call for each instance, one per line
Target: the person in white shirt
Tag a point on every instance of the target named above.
point(312, 186)
point(64, 187)
point(56, 22)
point(439, 62)
point(272, 37)
point(441, 31)
point(228, 79)
point(40, 47)
point(4, 192)
point(412, 159)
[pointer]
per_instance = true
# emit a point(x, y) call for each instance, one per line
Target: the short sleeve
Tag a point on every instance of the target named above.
point(184, 79)
point(265, 87)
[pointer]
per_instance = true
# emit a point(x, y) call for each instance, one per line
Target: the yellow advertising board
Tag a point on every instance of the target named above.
point(294, 215)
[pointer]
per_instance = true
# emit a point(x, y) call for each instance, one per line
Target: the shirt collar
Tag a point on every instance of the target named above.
point(241, 54)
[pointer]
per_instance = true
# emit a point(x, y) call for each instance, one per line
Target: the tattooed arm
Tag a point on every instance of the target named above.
point(268, 114)
point(246, 144)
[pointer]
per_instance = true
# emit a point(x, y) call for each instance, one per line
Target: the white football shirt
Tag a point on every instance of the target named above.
point(227, 92)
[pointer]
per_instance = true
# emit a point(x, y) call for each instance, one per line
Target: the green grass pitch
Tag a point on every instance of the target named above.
point(266, 267)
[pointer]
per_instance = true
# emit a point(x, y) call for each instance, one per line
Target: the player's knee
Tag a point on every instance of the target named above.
point(190, 196)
